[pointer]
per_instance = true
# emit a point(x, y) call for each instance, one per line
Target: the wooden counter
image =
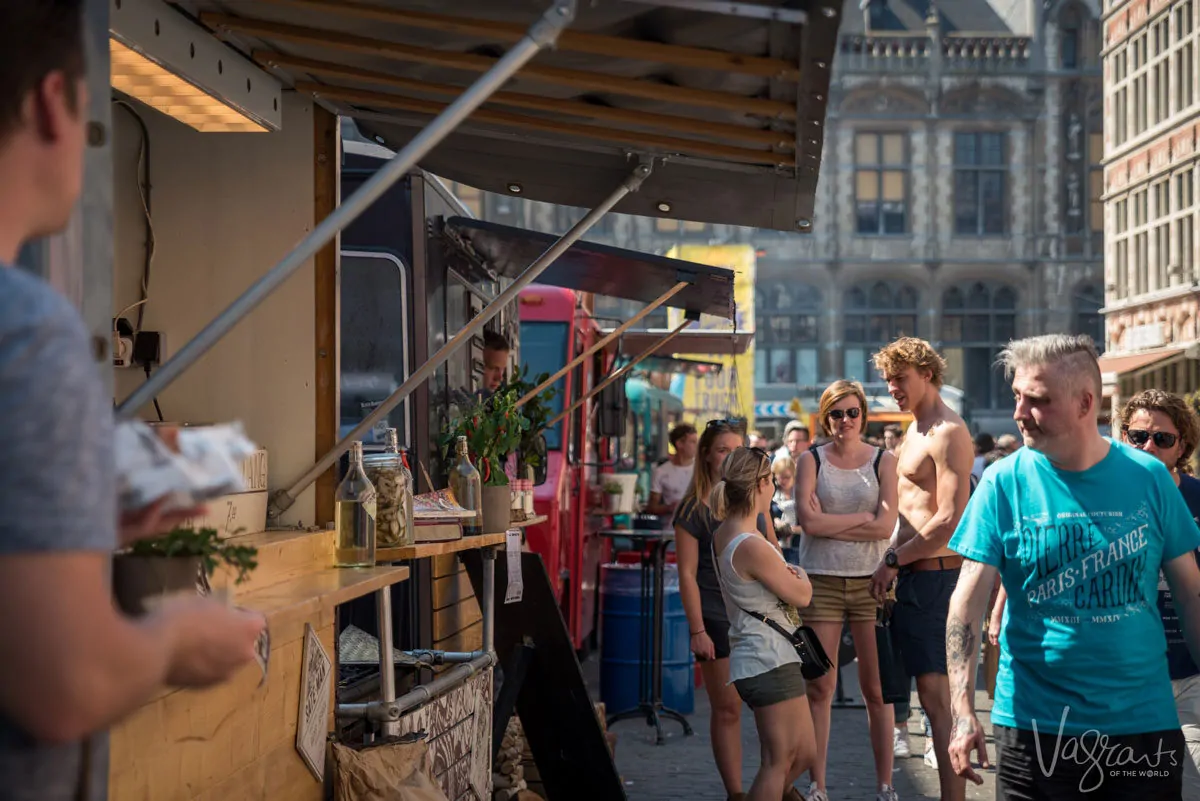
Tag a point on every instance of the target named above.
point(424, 550)
point(237, 741)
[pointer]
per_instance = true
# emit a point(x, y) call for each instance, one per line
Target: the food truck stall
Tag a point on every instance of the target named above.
point(212, 206)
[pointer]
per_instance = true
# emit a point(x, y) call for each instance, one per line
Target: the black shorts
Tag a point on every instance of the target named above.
point(718, 632)
point(1145, 767)
point(919, 619)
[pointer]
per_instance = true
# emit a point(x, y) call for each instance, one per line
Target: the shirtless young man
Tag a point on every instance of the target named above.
point(934, 473)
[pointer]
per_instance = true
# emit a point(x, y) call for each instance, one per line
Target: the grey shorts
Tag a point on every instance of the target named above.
point(775, 686)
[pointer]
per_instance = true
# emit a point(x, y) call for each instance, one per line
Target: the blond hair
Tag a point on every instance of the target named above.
point(908, 352)
point(834, 394)
point(700, 487)
point(782, 464)
point(1182, 417)
point(740, 474)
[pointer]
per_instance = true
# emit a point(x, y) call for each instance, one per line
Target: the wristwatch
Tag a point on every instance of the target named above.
point(890, 559)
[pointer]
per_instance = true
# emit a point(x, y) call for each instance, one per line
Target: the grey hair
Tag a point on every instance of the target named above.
point(1075, 353)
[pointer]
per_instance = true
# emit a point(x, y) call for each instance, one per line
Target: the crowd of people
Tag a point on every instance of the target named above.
point(1073, 553)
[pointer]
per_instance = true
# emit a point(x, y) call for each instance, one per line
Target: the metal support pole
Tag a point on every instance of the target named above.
point(447, 681)
point(636, 361)
point(542, 33)
point(489, 599)
point(387, 660)
point(670, 293)
point(283, 499)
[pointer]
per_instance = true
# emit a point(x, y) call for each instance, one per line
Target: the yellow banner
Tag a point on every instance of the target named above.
point(731, 393)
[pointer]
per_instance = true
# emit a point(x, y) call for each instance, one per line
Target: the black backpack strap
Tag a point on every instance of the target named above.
point(878, 459)
point(816, 454)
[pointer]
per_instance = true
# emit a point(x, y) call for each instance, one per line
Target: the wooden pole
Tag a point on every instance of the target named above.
point(670, 293)
point(606, 382)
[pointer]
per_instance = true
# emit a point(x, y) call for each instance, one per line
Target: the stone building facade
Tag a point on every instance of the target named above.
point(1152, 113)
point(959, 200)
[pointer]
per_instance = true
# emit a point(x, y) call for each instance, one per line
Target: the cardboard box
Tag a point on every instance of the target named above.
point(243, 512)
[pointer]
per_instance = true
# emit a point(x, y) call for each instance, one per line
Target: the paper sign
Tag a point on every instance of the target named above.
point(512, 547)
point(312, 723)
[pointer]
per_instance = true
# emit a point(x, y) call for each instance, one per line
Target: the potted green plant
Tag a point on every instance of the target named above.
point(493, 428)
point(180, 560)
point(612, 496)
point(531, 452)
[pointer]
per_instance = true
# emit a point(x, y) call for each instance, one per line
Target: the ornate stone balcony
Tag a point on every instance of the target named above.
point(912, 53)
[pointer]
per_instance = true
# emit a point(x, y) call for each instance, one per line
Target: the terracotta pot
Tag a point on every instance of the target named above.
point(497, 509)
point(139, 578)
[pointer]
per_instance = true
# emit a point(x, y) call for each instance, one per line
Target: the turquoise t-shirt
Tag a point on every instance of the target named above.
point(1079, 554)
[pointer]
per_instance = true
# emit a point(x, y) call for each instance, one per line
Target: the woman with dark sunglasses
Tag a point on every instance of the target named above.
point(700, 591)
point(1163, 425)
point(846, 505)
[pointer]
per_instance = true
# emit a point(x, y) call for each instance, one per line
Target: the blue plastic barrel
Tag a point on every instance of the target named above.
point(621, 635)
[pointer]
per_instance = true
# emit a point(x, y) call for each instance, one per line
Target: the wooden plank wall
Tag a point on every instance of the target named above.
point(233, 742)
point(457, 619)
point(459, 733)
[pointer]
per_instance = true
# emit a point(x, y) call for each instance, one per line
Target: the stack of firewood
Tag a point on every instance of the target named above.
point(508, 774)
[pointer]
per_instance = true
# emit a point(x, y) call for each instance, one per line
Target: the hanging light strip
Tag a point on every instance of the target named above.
point(170, 63)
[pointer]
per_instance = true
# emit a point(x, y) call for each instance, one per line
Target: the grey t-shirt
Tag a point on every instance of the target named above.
point(57, 491)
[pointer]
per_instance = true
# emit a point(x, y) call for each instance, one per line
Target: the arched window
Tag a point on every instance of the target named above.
point(873, 316)
point(787, 344)
point(1085, 313)
point(977, 321)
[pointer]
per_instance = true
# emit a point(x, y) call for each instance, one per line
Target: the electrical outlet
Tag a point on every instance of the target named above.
point(122, 350)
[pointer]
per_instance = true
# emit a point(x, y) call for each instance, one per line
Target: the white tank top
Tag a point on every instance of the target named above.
point(755, 647)
point(843, 491)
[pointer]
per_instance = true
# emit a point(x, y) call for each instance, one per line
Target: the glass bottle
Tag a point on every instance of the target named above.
point(393, 492)
point(355, 520)
point(468, 489)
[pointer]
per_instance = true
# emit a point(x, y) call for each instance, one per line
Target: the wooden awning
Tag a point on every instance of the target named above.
point(731, 96)
point(689, 341)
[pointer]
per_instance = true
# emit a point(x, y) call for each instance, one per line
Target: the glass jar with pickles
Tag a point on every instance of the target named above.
point(394, 494)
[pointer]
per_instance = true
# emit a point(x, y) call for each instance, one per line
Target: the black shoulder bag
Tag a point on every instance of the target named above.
point(814, 662)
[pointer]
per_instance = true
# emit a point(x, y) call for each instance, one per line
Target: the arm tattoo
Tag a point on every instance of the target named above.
point(960, 650)
point(970, 568)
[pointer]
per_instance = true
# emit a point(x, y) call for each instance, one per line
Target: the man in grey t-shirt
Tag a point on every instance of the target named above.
point(70, 664)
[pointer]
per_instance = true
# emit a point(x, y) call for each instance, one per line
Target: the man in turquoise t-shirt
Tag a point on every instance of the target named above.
point(1078, 527)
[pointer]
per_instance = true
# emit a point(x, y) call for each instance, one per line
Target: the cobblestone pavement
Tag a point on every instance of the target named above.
point(682, 768)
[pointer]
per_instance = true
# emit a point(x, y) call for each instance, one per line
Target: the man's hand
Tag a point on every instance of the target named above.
point(211, 641)
point(967, 737)
point(882, 580)
point(151, 521)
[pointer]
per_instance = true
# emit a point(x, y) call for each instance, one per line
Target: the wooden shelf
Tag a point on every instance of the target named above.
point(319, 591)
point(424, 550)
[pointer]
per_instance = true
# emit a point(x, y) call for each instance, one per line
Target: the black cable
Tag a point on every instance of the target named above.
point(144, 192)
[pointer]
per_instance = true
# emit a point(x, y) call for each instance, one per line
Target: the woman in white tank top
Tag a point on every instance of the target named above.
point(846, 504)
point(763, 664)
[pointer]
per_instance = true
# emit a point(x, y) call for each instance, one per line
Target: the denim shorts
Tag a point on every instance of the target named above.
point(773, 687)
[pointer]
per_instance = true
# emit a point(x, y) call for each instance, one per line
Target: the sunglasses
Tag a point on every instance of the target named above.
point(838, 414)
point(1140, 436)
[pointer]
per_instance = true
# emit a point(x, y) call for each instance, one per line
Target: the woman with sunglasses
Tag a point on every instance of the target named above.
point(846, 505)
point(1163, 425)
point(763, 664)
point(700, 591)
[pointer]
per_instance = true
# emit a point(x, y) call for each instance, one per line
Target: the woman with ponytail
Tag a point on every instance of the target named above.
point(763, 666)
point(700, 591)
